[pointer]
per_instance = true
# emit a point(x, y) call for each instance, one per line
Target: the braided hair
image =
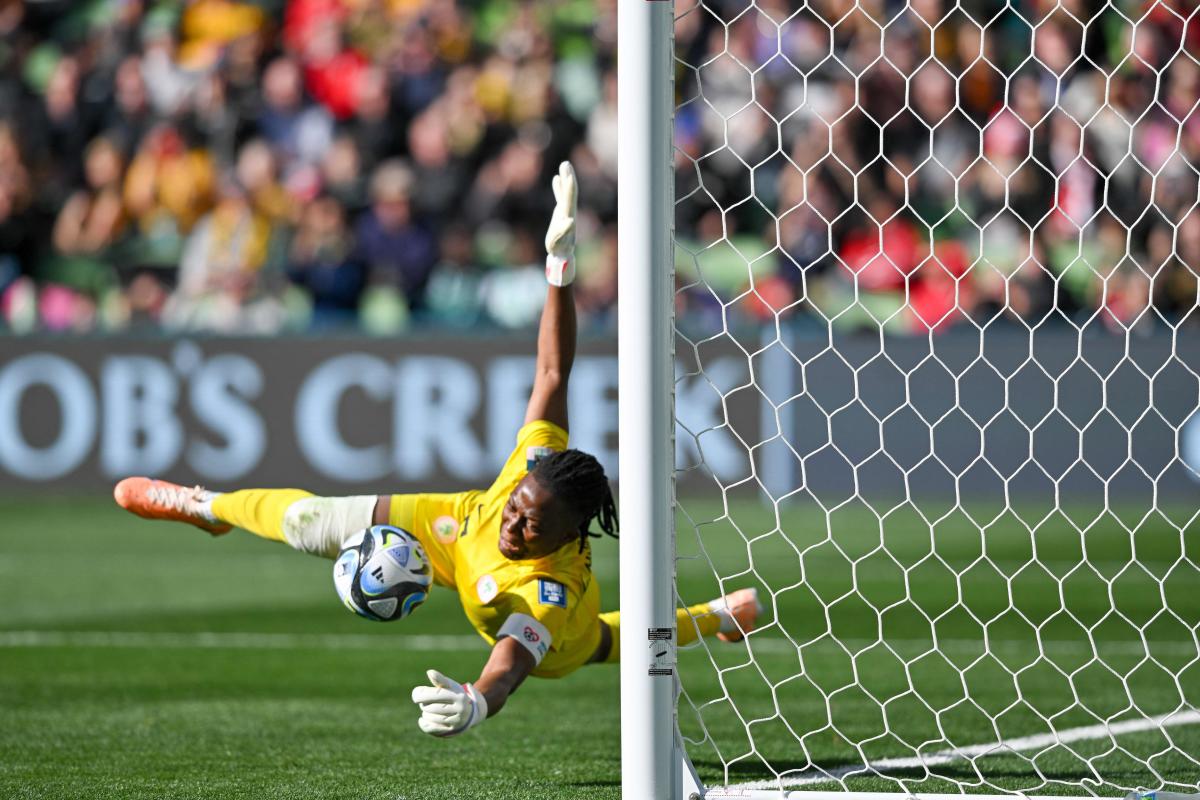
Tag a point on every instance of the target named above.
point(579, 481)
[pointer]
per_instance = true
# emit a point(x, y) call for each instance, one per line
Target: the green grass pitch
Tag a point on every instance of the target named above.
point(142, 660)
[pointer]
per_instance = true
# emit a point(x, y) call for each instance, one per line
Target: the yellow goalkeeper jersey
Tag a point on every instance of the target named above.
point(551, 605)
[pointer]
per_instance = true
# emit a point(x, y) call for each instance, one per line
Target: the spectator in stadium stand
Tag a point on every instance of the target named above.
point(17, 238)
point(938, 297)
point(301, 16)
point(93, 217)
point(321, 261)
point(258, 176)
point(333, 72)
point(1187, 259)
point(419, 75)
point(1118, 285)
point(378, 131)
point(503, 186)
point(12, 16)
point(76, 278)
point(300, 134)
point(398, 250)
point(342, 175)
point(130, 116)
point(168, 187)
point(56, 132)
point(209, 26)
point(508, 291)
point(214, 117)
point(228, 281)
point(167, 82)
point(602, 129)
point(596, 286)
point(443, 179)
point(453, 298)
point(464, 115)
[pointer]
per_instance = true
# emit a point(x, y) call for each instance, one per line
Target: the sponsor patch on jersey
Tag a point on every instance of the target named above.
point(487, 589)
point(552, 593)
point(445, 528)
point(535, 454)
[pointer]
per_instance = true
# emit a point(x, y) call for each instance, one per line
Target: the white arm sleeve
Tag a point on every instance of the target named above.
point(529, 632)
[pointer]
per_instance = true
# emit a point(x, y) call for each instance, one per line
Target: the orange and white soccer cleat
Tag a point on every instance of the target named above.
point(155, 499)
point(739, 613)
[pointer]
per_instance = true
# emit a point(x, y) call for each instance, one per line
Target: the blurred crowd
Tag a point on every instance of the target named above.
point(253, 166)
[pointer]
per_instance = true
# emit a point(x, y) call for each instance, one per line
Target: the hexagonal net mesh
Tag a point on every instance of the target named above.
point(937, 356)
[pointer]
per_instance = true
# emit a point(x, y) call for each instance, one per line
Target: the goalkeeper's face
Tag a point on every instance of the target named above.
point(535, 523)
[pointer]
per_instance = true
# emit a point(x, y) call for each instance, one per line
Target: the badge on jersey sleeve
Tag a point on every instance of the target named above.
point(445, 528)
point(552, 593)
point(535, 454)
point(487, 589)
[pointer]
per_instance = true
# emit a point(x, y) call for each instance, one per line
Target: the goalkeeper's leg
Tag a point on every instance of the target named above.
point(729, 618)
point(308, 523)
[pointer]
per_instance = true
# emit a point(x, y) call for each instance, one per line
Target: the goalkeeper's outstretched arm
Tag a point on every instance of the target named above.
point(448, 708)
point(556, 333)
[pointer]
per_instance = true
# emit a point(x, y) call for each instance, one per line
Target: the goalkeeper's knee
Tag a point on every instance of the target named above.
point(319, 525)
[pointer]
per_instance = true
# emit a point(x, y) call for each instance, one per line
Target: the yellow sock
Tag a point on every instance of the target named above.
point(613, 620)
point(694, 622)
point(259, 511)
point(690, 624)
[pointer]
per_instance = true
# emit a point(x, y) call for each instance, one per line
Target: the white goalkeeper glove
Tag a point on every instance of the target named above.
point(448, 707)
point(560, 236)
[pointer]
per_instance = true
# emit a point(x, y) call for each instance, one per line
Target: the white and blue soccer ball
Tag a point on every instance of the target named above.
point(382, 573)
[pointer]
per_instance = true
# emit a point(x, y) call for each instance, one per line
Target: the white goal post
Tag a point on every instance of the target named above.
point(938, 380)
point(649, 756)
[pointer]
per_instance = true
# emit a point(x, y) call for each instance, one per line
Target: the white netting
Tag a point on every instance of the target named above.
point(938, 352)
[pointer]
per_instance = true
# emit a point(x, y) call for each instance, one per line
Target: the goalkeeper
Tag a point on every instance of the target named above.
point(517, 553)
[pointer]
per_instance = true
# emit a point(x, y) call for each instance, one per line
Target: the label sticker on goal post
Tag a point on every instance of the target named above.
point(662, 650)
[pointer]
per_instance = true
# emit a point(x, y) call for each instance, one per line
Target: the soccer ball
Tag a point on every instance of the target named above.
point(382, 573)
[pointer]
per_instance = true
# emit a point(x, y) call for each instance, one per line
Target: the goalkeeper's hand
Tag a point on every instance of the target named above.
point(448, 707)
point(560, 236)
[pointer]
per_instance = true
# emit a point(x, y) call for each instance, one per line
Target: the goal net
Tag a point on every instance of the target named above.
point(937, 353)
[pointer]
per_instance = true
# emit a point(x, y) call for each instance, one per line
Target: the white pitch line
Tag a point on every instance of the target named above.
point(779, 645)
point(1020, 744)
point(239, 641)
point(444, 642)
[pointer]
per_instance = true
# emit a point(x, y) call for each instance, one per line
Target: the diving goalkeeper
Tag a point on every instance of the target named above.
point(517, 553)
